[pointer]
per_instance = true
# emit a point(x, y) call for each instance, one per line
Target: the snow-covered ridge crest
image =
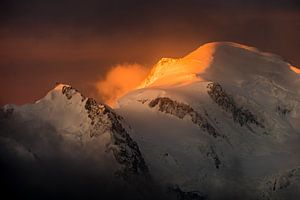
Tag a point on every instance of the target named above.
point(230, 62)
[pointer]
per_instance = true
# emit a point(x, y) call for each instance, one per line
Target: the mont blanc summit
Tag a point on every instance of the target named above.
point(225, 62)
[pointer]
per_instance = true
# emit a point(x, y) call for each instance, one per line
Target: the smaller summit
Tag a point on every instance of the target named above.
point(58, 92)
point(80, 125)
point(59, 86)
point(224, 62)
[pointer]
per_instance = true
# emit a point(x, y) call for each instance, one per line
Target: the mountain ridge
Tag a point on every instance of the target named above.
point(190, 131)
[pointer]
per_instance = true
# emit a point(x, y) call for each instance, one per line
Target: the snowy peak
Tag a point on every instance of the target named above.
point(60, 91)
point(82, 122)
point(224, 62)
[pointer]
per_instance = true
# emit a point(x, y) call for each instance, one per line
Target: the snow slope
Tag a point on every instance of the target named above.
point(222, 118)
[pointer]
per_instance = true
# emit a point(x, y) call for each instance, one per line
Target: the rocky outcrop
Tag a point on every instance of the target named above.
point(240, 115)
point(103, 120)
point(125, 150)
point(69, 91)
point(214, 156)
point(187, 195)
point(283, 110)
point(181, 110)
point(279, 183)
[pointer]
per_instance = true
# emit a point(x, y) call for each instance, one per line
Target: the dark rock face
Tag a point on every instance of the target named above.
point(98, 115)
point(180, 110)
point(212, 154)
point(283, 110)
point(240, 115)
point(280, 182)
point(69, 91)
point(191, 195)
point(127, 151)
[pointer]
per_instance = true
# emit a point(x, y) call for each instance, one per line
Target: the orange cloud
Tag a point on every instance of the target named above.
point(119, 80)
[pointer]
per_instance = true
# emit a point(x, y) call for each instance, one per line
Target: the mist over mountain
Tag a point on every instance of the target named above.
point(220, 123)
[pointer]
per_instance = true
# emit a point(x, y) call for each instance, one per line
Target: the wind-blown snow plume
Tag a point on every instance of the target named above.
point(119, 80)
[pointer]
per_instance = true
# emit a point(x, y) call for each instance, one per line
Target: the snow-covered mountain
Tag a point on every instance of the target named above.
point(67, 131)
point(220, 123)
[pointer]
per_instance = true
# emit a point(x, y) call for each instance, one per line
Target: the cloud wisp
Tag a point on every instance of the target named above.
point(120, 80)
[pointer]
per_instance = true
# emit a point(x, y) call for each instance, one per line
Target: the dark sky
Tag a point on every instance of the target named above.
point(77, 42)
